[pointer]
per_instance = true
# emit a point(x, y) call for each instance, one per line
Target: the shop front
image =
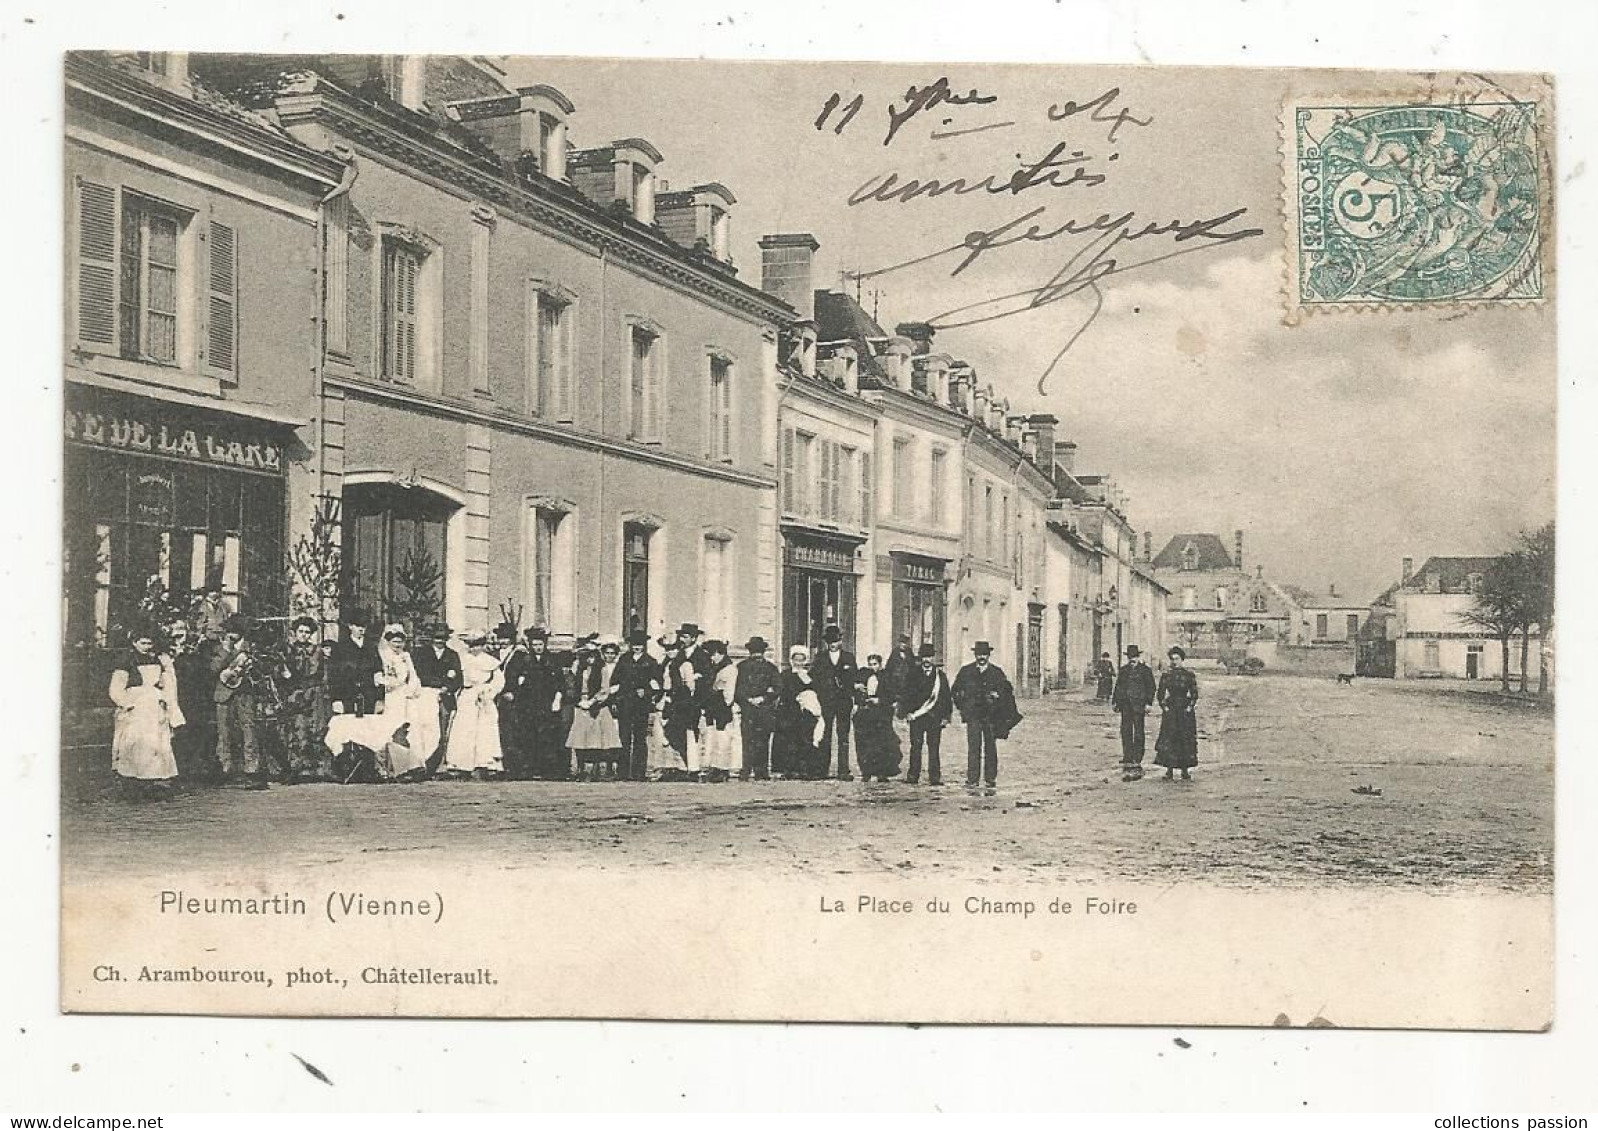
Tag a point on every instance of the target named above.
point(920, 595)
point(819, 587)
point(169, 502)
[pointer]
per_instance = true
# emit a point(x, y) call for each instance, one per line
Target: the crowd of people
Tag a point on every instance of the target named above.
point(225, 699)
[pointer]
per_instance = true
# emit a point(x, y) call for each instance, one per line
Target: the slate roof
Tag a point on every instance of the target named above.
point(1212, 552)
point(841, 318)
point(1453, 574)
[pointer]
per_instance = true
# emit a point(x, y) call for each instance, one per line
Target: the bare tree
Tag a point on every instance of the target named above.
point(1498, 609)
point(1538, 550)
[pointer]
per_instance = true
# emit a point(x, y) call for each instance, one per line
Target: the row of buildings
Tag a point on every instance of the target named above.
point(518, 373)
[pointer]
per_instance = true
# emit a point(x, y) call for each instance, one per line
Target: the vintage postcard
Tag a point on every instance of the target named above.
point(556, 537)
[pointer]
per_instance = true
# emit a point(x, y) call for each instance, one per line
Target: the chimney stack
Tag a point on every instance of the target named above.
point(1331, 589)
point(787, 263)
point(1148, 545)
point(1043, 425)
point(1065, 456)
point(1237, 552)
point(1409, 570)
point(918, 332)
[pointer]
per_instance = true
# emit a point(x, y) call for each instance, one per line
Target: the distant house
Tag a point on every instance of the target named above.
point(1331, 618)
point(1432, 637)
point(1214, 603)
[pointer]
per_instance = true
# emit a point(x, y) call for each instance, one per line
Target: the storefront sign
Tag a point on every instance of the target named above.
point(151, 433)
point(814, 554)
point(917, 571)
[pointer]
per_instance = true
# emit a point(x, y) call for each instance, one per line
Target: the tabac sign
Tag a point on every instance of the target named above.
point(154, 430)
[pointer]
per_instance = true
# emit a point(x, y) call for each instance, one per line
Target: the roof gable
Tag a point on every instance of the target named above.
point(1207, 552)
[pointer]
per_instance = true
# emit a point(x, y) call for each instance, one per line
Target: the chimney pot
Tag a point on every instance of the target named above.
point(1409, 570)
point(787, 265)
point(1065, 456)
point(1237, 554)
point(918, 332)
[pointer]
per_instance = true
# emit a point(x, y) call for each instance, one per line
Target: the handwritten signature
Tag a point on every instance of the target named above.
point(1084, 271)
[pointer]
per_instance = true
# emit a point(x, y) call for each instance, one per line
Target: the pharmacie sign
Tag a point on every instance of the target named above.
point(152, 431)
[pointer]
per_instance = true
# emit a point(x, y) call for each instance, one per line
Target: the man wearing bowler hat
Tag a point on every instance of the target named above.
point(927, 703)
point(835, 672)
point(1134, 691)
point(756, 696)
point(987, 705)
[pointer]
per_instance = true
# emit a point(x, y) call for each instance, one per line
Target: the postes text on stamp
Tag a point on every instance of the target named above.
point(1415, 204)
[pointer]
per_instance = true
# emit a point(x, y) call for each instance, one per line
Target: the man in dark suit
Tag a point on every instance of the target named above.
point(835, 672)
point(928, 702)
point(899, 673)
point(1104, 673)
point(1134, 691)
point(439, 666)
point(756, 696)
point(636, 685)
point(987, 706)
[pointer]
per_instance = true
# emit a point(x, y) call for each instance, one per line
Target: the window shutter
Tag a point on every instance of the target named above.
point(865, 489)
point(222, 318)
point(835, 503)
point(787, 471)
point(726, 412)
point(652, 382)
point(98, 218)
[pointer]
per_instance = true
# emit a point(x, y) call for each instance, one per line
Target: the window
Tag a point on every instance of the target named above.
point(394, 550)
point(550, 566)
point(827, 483)
point(337, 212)
point(149, 282)
point(1433, 656)
point(1190, 556)
point(643, 195)
point(715, 606)
point(402, 268)
point(1351, 626)
point(901, 476)
point(987, 526)
point(1189, 597)
point(1320, 626)
point(804, 471)
point(551, 146)
point(644, 388)
point(549, 355)
point(866, 484)
point(1220, 597)
point(720, 446)
point(1004, 526)
point(1258, 603)
point(789, 484)
point(154, 285)
point(971, 513)
point(720, 233)
point(636, 539)
point(935, 487)
point(848, 495)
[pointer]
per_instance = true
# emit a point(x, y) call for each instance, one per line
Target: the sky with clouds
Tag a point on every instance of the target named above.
point(1339, 444)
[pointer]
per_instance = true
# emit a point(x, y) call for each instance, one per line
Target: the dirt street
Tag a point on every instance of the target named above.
point(1466, 799)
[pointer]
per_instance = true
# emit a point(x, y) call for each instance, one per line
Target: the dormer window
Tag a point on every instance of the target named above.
point(551, 146)
point(1190, 557)
point(1258, 603)
point(643, 194)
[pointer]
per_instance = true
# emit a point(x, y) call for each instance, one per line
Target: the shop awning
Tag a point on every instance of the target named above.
point(169, 395)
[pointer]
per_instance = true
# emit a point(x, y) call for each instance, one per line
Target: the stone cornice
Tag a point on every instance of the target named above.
point(176, 111)
point(557, 434)
point(832, 395)
point(542, 201)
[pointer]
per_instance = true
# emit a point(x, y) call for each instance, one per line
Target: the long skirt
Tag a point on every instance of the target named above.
point(591, 731)
point(141, 741)
point(474, 736)
point(1176, 748)
point(876, 742)
point(722, 747)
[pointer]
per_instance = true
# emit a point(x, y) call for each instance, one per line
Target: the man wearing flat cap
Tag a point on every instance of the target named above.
point(987, 705)
point(1134, 691)
point(756, 696)
point(835, 673)
point(636, 685)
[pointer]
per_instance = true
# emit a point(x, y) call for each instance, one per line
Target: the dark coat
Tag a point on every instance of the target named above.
point(897, 674)
point(756, 690)
point(638, 683)
point(1134, 688)
point(835, 681)
point(1177, 745)
point(442, 672)
point(531, 684)
point(352, 676)
point(919, 688)
point(986, 697)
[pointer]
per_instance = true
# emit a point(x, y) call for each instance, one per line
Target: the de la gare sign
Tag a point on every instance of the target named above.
point(171, 438)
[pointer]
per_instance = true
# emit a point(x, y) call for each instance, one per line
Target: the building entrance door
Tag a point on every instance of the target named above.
point(1473, 663)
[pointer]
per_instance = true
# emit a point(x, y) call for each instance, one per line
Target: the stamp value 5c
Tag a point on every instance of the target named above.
point(1412, 205)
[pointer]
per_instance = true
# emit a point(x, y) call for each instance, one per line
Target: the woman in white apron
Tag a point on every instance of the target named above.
point(406, 703)
point(473, 746)
point(144, 687)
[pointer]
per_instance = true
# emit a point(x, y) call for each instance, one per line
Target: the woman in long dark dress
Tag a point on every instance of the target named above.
point(875, 739)
point(795, 747)
point(1176, 748)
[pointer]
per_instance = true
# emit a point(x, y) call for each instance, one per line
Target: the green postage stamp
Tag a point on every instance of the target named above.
point(1435, 202)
